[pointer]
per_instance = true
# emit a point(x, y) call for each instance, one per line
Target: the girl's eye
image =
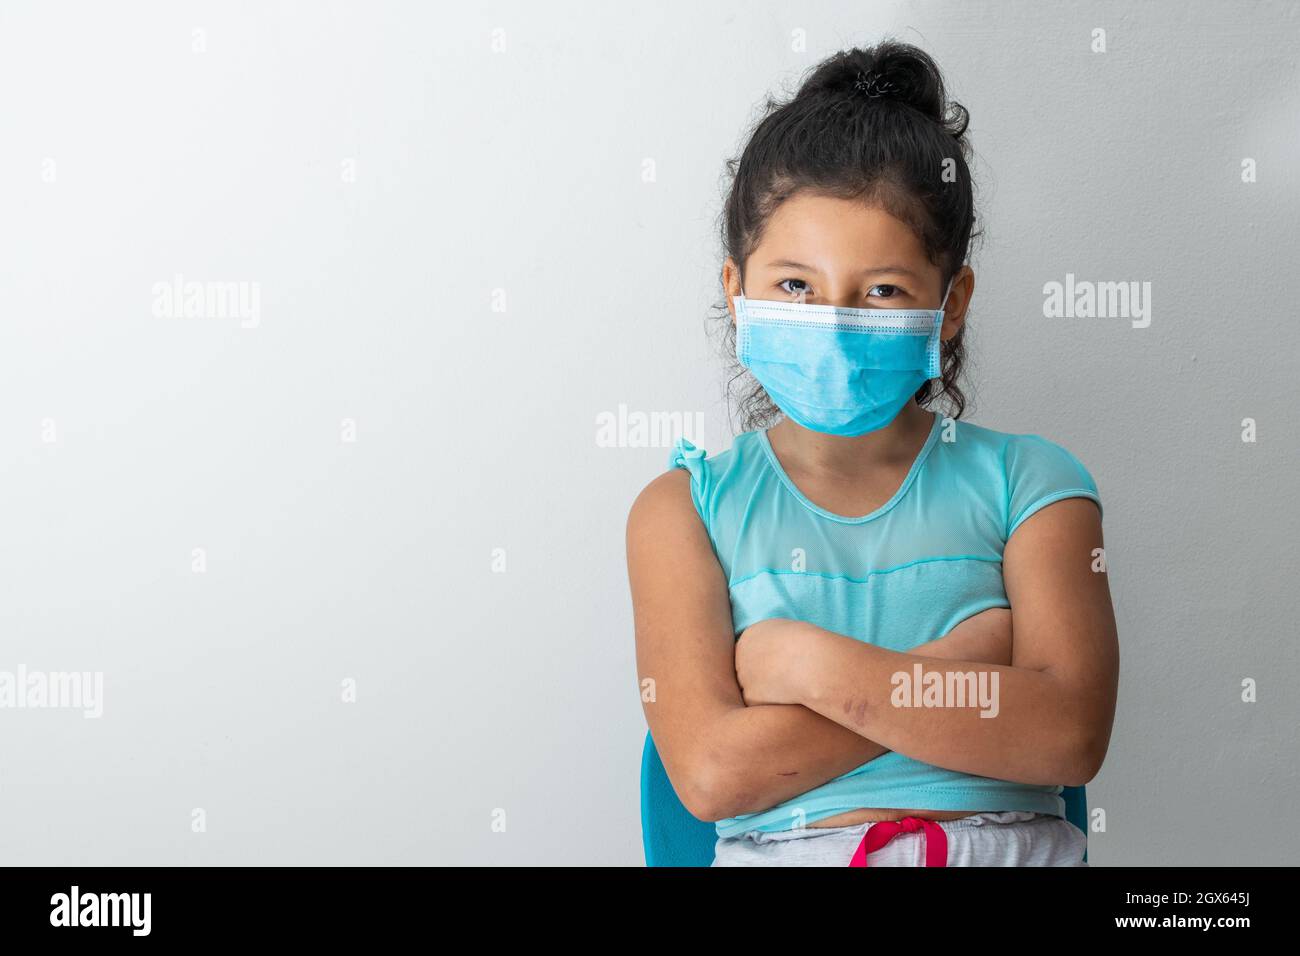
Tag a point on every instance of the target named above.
point(882, 291)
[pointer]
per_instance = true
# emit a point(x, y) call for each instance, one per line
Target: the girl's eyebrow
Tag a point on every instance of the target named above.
point(791, 264)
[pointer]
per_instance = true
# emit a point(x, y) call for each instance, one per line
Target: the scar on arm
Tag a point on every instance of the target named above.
point(857, 712)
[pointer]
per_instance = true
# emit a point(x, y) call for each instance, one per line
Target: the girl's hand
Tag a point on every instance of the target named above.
point(777, 658)
point(767, 657)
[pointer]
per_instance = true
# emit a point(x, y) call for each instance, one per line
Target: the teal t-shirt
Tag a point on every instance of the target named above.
point(905, 574)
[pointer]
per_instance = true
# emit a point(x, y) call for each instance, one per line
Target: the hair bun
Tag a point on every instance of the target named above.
point(890, 71)
point(874, 84)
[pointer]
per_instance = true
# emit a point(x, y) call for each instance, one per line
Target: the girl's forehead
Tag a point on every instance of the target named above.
point(826, 227)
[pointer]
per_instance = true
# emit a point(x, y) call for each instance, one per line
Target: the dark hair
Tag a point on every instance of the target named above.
point(872, 124)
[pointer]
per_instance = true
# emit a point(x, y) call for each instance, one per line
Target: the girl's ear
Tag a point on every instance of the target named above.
point(731, 284)
point(954, 311)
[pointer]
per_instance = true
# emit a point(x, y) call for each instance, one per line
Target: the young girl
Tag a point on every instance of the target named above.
point(826, 608)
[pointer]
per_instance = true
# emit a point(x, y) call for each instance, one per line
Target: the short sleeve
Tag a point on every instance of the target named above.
point(686, 455)
point(1040, 472)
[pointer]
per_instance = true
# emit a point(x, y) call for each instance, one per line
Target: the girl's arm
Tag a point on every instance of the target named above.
point(1051, 711)
point(725, 758)
point(773, 761)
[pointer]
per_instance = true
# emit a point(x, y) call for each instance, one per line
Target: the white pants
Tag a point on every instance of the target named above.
point(1013, 838)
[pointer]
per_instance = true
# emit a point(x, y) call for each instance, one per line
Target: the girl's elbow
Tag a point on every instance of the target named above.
point(718, 790)
point(1083, 760)
point(707, 795)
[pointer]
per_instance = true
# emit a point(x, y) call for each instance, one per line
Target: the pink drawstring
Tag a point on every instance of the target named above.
point(880, 833)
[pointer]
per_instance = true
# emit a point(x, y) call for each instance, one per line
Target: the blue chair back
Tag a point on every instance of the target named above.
point(672, 837)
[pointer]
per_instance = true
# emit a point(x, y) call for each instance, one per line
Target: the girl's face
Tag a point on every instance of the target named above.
point(822, 250)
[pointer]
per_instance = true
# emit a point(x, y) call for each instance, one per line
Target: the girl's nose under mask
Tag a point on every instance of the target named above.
point(837, 370)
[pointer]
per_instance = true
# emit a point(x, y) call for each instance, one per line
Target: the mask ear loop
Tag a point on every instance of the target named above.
point(740, 324)
point(948, 293)
point(934, 345)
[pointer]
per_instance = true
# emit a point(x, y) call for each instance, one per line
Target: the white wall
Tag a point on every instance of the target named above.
point(522, 170)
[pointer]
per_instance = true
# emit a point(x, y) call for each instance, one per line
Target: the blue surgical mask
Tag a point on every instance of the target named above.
point(837, 370)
